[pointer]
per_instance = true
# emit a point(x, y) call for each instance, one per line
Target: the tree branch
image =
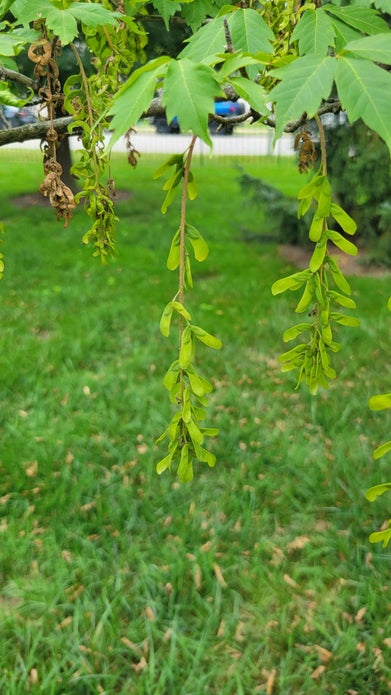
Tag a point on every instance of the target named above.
point(14, 76)
point(39, 129)
point(31, 131)
point(331, 106)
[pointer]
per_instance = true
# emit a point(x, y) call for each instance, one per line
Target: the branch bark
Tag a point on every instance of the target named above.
point(32, 131)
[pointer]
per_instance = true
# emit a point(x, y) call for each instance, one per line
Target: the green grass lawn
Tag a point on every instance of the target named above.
point(257, 577)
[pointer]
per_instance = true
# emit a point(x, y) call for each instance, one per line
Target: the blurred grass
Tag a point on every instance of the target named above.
point(256, 578)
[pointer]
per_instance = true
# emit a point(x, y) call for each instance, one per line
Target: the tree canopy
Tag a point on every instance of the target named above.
point(290, 61)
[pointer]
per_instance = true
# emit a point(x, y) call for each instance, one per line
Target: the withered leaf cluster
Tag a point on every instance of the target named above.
point(307, 151)
point(60, 196)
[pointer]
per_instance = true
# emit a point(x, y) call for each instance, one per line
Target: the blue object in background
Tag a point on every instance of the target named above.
point(222, 108)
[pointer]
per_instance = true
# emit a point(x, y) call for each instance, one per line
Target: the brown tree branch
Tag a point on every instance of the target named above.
point(6, 74)
point(31, 131)
point(38, 130)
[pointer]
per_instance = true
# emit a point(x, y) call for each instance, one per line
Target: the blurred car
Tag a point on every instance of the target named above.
point(13, 116)
point(222, 108)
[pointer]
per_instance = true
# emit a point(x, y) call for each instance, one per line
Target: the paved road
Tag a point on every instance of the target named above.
point(240, 143)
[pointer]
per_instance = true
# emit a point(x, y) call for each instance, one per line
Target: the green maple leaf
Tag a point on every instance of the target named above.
point(93, 15)
point(249, 33)
point(343, 33)
point(364, 90)
point(376, 48)
point(251, 92)
point(62, 23)
point(29, 10)
point(233, 62)
point(194, 13)
point(314, 32)
point(383, 5)
point(135, 96)
point(304, 83)
point(7, 97)
point(166, 9)
point(206, 43)
point(189, 91)
point(10, 45)
point(4, 6)
point(364, 19)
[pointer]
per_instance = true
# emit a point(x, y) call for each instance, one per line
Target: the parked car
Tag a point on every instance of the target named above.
point(222, 108)
point(12, 116)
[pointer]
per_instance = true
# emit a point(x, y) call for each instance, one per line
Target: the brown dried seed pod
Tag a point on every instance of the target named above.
point(307, 151)
point(69, 196)
point(51, 165)
point(40, 52)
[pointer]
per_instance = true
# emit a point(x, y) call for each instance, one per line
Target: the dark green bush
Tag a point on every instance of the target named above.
point(280, 222)
point(358, 163)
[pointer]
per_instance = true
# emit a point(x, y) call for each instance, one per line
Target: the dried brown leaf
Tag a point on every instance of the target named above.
point(271, 681)
point(359, 615)
point(291, 582)
point(66, 556)
point(73, 592)
point(278, 556)
point(140, 666)
point(64, 623)
point(325, 654)
point(88, 506)
point(219, 575)
point(197, 577)
point(221, 629)
point(32, 469)
point(206, 547)
point(150, 614)
point(318, 672)
point(298, 543)
point(131, 645)
point(33, 676)
point(167, 635)
point(239, 637)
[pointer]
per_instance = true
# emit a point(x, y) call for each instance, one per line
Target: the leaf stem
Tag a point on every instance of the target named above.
point(182, 245)
point(322, 140)
point(182, 225)
point(90, 111)
point(85, 84)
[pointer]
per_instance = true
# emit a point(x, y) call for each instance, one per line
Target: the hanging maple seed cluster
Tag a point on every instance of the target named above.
point(44, 54)
point(307, 150)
